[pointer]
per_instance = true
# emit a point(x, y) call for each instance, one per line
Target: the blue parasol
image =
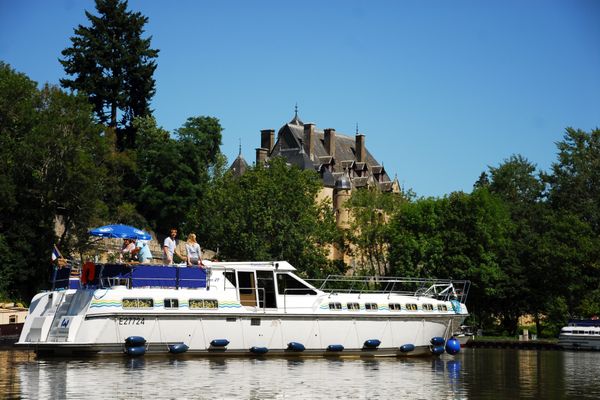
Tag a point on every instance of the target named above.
point(121, 232)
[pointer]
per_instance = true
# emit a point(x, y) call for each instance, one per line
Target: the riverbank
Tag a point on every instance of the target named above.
point(510, 343)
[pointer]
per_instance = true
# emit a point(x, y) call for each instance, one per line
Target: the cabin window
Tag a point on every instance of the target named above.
point(371, 306)
point(395, 307)
point(335, 306)
point(12, 319)
point(138, 303)
point(412, 307)
point(288, 285)
point(442, 307)
point(427, 307)
point(171, 303)
point(230, 276)
point(205, 304)
point(353, 306)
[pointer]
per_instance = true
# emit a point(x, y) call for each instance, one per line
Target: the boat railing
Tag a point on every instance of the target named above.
point(131, 275)
point(441, 289)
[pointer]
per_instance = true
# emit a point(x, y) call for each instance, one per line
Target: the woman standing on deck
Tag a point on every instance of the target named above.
point(193, 251)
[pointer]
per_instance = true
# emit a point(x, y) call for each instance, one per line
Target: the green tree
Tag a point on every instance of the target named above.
point(174, 173)
point(370, 210)
point(269, 213)
point(462, 236)
point(54, 177)
point(517, 182)
point(575, 178)
point(114, 66)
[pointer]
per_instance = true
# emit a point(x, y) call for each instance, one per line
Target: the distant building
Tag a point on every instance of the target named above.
point(343, 162)
point(239, 165)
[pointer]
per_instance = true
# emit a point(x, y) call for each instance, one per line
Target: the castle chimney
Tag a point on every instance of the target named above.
point(261, 155)
point(330, 141)
point(309, 138)
point(361, 152)
point(267, 139)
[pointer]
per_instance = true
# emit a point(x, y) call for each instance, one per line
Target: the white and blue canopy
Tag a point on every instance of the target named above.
point(120, 232)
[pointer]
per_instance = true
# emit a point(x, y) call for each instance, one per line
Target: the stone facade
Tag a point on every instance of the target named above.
point(343, 162)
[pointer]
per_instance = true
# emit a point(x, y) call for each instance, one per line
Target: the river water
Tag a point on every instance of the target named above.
point(472, 374)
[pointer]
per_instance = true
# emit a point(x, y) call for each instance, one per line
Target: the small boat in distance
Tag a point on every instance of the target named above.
point(580, 335)
point(242, 308)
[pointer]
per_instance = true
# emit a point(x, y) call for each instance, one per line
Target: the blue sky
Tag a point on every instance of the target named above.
point(441, 89)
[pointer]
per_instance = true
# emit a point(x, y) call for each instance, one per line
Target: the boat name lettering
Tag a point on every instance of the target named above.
point(131, 320)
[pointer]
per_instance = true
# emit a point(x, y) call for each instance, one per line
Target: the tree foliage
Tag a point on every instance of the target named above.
point(462, 236)
point(269, 213)
point(52, 156)
point(575, 178)
point(174, 173)
point(367, 235)
point(113, 66)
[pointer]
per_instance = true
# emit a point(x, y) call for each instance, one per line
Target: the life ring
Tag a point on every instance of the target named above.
point(88, 273)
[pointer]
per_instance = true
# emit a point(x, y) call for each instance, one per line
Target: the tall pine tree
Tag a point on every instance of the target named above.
point(113, 65)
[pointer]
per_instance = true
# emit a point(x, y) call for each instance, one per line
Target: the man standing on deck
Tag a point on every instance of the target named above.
point(170, 247)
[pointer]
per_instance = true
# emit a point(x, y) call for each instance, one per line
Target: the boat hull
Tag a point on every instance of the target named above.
point(106, 334)
point(579, 342)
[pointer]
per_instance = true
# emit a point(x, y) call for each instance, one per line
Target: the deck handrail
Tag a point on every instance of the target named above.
point(419, 287)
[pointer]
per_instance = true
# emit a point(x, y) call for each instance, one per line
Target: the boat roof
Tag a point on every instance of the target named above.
point(252, 265)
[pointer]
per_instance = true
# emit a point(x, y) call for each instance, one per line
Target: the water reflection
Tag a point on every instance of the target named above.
point(482, 373)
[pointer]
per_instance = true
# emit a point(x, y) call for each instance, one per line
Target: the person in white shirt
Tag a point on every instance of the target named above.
point(170, 247)
point(194, 253)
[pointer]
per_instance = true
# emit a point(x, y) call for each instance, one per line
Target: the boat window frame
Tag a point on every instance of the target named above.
point(411, 307)
point(442, 307)
point(353, 306)
point(193, 302)
point(171, 306)
point(395, 307)
point(335, 306)
point(427, 307)
point(305, 290)
point(369, 306)
point(125, 302)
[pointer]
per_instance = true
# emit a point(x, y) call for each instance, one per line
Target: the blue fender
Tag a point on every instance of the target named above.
point(136, 350)
point(452, 346)
point(372, 343)
point(407, 348)
point(258, 350)
point(295, 346)
point(133, 341)
point(178, 348)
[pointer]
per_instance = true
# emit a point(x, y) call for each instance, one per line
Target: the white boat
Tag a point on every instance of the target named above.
point(242, 308)
point(580, 335)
